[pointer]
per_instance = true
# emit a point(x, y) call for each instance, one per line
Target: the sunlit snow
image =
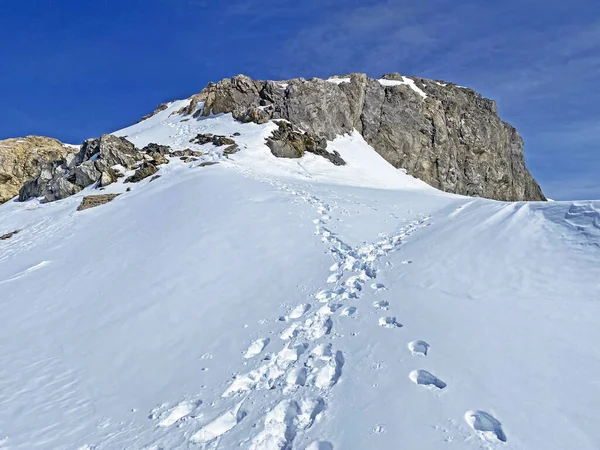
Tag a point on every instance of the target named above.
point(291, 304)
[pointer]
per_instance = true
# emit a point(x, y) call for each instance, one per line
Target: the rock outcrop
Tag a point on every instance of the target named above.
point(448, 136)
point(285, 142)
point(94, 162)
point(99, 160)
point(217, 141)
point(7, 236)
point(145, 170)
point(92, 201)
point(22, 159)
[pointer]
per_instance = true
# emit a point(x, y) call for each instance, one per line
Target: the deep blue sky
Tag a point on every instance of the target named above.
point(74, 69)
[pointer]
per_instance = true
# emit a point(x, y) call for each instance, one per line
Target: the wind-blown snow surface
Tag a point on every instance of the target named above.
point(275, 304)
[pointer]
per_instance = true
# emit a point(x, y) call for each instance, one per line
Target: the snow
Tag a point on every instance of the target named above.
point(405, 81)
point(269, 303)
point(337, 80)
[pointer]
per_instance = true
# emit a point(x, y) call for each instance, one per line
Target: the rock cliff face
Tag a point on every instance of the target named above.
point(22, 159)
point(448, 136)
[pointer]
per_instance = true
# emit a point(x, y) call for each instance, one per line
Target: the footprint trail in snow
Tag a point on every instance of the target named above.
point(299, 368)
point(306, 367)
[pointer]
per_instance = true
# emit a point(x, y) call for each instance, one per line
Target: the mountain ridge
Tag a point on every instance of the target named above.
point(197, 291)
point(449, 136)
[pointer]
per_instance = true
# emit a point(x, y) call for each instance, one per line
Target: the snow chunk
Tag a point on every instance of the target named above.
point(256, 348)
point(338, 81)
point(384, 82)
point(219, 426)
point(405, 80)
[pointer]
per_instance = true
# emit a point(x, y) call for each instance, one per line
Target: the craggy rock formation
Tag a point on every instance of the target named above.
point(22, 159)
point(91, 201)
point(94, 163)
point(285, 142)
point(156, 153)
point(448, 136)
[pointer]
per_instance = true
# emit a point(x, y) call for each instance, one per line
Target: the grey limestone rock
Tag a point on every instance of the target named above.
point(118, 150)
point(450, 137)
point(86, 174)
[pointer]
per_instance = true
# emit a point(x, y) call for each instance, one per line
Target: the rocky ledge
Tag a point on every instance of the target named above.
point(448, 136)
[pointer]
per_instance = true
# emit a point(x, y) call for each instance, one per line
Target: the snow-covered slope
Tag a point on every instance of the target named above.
point(265, 303)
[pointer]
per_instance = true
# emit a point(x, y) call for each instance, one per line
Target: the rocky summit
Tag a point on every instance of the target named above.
point(244, 270)
point(447, 135)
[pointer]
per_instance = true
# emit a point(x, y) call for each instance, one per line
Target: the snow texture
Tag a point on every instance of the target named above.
point(269, 303)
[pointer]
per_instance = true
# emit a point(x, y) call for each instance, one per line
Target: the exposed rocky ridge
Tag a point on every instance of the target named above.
point(448, 136)
point(22, 158)
point(99, 160)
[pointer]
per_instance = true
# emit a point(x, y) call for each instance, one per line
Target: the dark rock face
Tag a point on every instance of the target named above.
point(231, 149)
point(53, 183)
point(146, 170)
point(285, 142)
point(91, 201)
point(187, 152)
point(156, 154)
point(448, 136)
point(7, 236)
point(217, 141)
point(157, 149)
